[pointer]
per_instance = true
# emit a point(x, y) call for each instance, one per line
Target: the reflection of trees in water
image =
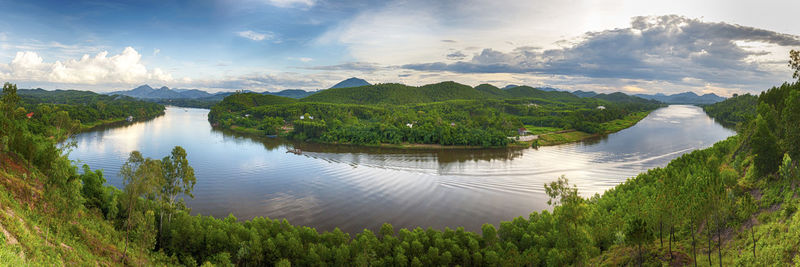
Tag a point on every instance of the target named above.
point(595, 140)
point(239, 138)
point(442, 155)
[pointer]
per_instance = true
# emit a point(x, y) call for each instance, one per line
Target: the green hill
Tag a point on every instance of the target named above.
point(733, 204)
point(396, 94)
point(530, 92)
point(623, 98)
point(237, 102)
point(733, 110)
point(491, 90)
point(399, 94)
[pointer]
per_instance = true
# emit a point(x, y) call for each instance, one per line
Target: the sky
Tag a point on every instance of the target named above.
point(715, 46)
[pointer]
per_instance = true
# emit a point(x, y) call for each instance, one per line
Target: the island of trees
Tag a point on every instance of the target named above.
point(448, 114)
point(735, 203)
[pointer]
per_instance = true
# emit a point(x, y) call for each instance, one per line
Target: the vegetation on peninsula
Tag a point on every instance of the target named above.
point(447, 113)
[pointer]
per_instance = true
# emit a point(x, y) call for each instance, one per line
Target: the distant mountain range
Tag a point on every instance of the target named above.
point(684, 98)
point(164, 93)
point(681, 98)
point(149, 93)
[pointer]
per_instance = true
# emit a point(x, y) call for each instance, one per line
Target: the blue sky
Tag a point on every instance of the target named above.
point(260, 45)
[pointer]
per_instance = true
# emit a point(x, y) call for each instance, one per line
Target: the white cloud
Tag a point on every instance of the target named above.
point(123, 68)
point(292, 3)
point(255, 36)
point(156, 51)
point(305, 59)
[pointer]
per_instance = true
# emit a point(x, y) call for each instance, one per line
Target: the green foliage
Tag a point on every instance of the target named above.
point(54, 108)
point(397, 114)
point(10, 97)
point(713, 189)
point(395, 94)
point(765, 148)
point(734, 110)
point(93, 189)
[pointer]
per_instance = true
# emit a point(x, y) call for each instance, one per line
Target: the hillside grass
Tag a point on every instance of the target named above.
point(34, 236)
point(570, 136)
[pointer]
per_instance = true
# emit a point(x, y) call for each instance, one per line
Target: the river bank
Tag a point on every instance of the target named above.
point(544, 139)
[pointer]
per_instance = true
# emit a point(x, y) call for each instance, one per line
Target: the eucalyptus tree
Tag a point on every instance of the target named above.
point(141, 177)
point(178, 178)
point(794, 63)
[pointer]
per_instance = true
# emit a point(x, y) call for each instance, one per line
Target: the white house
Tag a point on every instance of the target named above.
point(601, 107)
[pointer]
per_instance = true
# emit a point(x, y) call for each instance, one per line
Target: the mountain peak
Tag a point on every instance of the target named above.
point(143, 87)
point(351, 82)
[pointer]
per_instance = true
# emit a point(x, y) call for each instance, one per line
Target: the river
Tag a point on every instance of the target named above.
point(328, 186)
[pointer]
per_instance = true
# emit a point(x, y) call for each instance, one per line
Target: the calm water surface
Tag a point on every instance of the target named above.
point(355, 188)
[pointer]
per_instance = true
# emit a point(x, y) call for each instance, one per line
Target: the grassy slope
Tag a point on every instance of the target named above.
point(563, 137)
point(776, 227)
point(34, 236)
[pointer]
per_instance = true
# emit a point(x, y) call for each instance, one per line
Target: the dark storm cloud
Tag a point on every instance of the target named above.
point(668, 48)
point(457, 55)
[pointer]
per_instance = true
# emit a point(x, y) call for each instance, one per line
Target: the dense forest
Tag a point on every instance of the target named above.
point(734, 111)
point(446, 114)
point(732, 204)
point(89, 109)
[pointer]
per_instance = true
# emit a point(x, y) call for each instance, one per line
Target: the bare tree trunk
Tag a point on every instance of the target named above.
point(753, 232)
point(708, 225)
point(161, 228)
point(661, 231)
point(694, 249)
point(671, 234)
point(719, 245)
point(127, 231)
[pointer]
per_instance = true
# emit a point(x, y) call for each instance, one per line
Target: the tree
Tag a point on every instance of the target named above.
point(636, 232)
point(572, 210)
point(787, 169)
point(794, 63)
point(140, 177)
point(747, 207)
point(92, 189)
point(791, 124)
point(10, 98)
point(765, 147)
point(178, 177)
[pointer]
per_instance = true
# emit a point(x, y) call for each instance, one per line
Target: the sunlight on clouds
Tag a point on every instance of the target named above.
point(633, 89)
point(125, 67)
point(255, 36)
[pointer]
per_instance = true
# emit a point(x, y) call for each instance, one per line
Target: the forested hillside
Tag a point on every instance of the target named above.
point(88, 108)
point(392, 93)
point(732, 204)
point(734, 110)
point(445, 114)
